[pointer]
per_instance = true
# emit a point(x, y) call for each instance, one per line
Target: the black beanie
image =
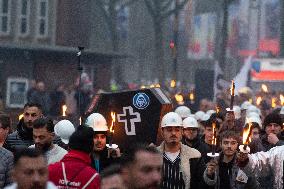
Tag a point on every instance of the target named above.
point(272, 118)
point(82, 139)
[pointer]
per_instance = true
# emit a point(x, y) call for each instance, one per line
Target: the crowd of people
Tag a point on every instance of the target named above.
point(198, 150)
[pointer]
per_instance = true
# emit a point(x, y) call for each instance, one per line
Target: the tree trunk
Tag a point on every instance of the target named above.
point(159, 52)
point(115, 43)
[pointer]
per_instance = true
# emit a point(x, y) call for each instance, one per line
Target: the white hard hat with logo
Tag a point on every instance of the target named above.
point(190, 122)
point(97, 121)
point(171, 119)
point(183, 111)
point(64, 129)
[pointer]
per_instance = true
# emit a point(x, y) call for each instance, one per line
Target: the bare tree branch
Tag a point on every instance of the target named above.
point(176, 9)
point(150, 7)
point(128, 3)
point(101, 4)
point(167, 5)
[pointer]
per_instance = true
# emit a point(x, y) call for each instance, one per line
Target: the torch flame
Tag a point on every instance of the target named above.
point(214, 138)
point(80, 120)
point(64, 109)
point(179, 98)
point(191, 96)
point(273, 102)
point(282, 100)
point(233, 88)
point(264, 88)
point(258, 100)
point(152, 86)
point(112, 122)
point(173, 83)
point(21, 116)
point(158, 85)
point(246, 133)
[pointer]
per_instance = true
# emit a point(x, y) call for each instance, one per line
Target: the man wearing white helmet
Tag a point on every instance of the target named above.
point(100, 158)
point(64, 129)
point(191, 134)
point(180, 162)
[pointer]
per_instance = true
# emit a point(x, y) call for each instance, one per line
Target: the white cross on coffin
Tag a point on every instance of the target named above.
point(122, 118)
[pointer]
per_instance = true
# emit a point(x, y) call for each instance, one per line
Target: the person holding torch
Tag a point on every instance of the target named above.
point(223, 171)
point(100, 156)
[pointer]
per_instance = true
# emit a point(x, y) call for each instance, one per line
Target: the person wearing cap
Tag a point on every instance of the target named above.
point(182, 165)
point(43, 134)
point(74, 170)
point(102, 156)
point(64, 129)
point(190, 134)
point(273, 127)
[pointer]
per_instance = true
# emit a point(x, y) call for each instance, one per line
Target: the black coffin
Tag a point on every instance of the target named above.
point(138, 114)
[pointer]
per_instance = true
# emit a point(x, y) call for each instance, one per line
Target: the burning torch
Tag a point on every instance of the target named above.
point(246, 139)
point(64, 109)
point(214, 142)
point(232, 95)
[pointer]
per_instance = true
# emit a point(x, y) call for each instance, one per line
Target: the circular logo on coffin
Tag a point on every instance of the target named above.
point(141, 101)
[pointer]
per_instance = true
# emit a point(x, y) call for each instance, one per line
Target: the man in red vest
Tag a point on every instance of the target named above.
point(74, 170)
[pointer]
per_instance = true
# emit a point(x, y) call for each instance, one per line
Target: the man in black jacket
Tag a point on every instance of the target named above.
point(23, 136)
point(102, 156)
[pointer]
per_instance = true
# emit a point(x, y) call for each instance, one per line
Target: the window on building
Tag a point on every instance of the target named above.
point(42, 18)
point(5, 9)
point(24, 16)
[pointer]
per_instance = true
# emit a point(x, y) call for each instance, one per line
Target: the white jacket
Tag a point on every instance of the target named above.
point(49, 185)
point(262, 163)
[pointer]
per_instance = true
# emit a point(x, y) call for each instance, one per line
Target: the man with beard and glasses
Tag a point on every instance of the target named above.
point(23, 136)
point(223, 172)
point(30, 171)
point(141, 167)
point(182, 165)
point(43, 134)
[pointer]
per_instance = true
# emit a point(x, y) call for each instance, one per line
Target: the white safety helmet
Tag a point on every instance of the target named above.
point(237, 112)
point(64, 129)
point(190, 122)
point(255, 120)
point(210, 112)
point(97, 121)
point(282, 110)
point(245, 105)
point(252, 114)
point(205, 117)
point(198, 115)
point(171, 119)
point(253, 108)
point(183, 111)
